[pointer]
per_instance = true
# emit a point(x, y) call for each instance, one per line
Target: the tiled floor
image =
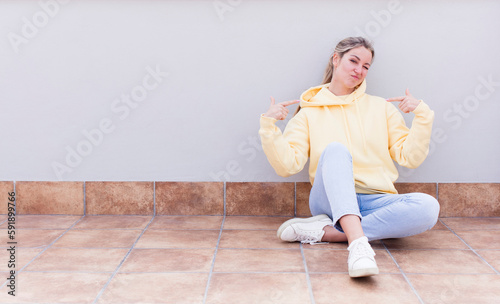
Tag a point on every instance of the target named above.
point(237, 259)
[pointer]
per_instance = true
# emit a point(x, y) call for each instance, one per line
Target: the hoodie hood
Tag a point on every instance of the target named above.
point(321, 96)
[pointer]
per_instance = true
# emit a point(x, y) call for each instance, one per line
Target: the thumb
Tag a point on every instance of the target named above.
point(272, 101)
point(407, 92)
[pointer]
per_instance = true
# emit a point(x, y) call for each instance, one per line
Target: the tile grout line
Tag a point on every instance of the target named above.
point(472, 249)
point(308, 279)
point(437, 192)
point(84, 199)
point(295, 199)
point(123, 260)
point(46, 248)
point(224, 199)
point(213, 260)
point(403, 273)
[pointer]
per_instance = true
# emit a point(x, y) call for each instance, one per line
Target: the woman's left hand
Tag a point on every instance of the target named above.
point(407, 103)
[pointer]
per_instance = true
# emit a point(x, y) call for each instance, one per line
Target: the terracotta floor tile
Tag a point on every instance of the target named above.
point(481, 239)
point(254, 239)
point(31, 237)
point(340, 288)
point(440, 261)
point(155, 288)
point(22, 257)
point(336, 261)
point(433, 239)
point(456, 289)
point(99, 238)
point(326, 260)
point(258, 260)
point(186, 222)
point(472, 223)
point(43, 287)
point(258, 288)
point(113, 222)
point(69, 259)
point(254, 222)
point(439, 226)
point(43, 221)
point(377, 244)
point(492, 257)
point(168, 260)
point(179, 239)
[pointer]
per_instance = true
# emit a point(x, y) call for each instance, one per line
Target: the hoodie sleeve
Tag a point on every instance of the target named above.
point(409, 147)
point(287, 152)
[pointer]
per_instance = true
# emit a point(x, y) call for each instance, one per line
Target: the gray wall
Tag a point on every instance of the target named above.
point(199, 73)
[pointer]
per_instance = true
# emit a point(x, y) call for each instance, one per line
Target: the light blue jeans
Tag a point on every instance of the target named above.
point(382, 215)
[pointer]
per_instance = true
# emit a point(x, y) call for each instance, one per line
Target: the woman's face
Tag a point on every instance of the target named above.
point(351, 69)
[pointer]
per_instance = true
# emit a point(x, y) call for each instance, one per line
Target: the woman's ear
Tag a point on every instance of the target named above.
point(335, 60)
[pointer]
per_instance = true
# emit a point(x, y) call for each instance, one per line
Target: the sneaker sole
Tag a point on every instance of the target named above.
point(366, 272)
point(299, 220)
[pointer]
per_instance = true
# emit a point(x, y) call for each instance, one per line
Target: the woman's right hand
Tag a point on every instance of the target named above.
point(279, 111)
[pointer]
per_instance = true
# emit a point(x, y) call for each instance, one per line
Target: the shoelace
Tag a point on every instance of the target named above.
point(308, 237)
point(361, 250)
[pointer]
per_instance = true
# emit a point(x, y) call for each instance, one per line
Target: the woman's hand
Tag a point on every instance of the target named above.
point(407, 103)
point(279, 111)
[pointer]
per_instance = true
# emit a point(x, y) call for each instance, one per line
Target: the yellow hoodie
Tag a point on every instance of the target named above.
point(371, 128)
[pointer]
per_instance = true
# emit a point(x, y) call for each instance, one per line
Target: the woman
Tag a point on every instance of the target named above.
point(352, 139)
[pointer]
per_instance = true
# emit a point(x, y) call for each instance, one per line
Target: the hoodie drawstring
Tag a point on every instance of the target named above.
point(346, 128)
point(360, 125)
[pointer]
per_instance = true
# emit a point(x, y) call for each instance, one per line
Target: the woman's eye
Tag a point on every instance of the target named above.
point(366, 68)
point(353, 61)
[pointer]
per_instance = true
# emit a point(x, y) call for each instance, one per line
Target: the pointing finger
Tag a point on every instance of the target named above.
point(400, 98)
point(272, 100)
point(290, 102)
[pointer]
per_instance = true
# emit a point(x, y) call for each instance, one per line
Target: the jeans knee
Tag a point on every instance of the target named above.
point(428, 208)
point(337, 149)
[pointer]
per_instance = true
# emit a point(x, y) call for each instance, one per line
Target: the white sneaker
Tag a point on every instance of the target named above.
point(361, 259)
point(304, 230)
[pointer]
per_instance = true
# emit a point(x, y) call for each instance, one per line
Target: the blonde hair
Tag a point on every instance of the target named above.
point(341, 49)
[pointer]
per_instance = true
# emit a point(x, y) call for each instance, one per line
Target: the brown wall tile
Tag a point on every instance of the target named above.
point(428, 188)
point(120, 198)
point(5, 188)
point(49, 197)
point(302, 197)
point(265, 198)
point(469, 199)
point(189, 198)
